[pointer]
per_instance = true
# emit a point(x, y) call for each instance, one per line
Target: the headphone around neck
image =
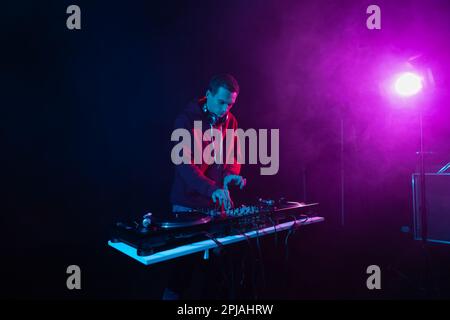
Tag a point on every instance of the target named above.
point(213, 119)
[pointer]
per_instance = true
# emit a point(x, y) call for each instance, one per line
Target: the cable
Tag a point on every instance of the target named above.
point(258, 246)
point(211, 237)
point(247, 238)
point(275, 230)
point(291, 231)
point(255, 296)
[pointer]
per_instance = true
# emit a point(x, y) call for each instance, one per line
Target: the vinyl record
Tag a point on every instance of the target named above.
point(181, 220)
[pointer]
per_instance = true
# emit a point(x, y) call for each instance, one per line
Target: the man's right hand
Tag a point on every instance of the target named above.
point(222, 196)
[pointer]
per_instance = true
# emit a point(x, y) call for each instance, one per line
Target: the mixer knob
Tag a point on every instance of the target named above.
point(147, 220)
point(266, 202)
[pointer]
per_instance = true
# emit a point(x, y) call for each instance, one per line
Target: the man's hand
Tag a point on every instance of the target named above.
point(223, 197)
point(237, 180)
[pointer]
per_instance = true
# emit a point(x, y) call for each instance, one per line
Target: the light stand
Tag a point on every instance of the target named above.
point(423, 203)
point(424, 250)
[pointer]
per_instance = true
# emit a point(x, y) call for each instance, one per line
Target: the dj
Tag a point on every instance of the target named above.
point(202, 185)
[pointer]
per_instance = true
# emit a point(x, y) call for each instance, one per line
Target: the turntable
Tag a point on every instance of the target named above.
point(154, 233)
point(181, 220)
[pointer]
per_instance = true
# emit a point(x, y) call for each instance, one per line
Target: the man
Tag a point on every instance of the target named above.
point(203, 185)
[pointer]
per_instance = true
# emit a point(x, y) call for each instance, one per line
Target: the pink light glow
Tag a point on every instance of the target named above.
point(408, 84)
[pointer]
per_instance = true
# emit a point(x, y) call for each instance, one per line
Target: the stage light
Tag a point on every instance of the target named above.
point(408, 84)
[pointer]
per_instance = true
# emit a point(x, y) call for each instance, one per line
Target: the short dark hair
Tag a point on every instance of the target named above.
point(226, 81)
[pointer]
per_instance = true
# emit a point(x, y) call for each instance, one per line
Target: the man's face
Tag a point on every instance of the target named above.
point(221, 102)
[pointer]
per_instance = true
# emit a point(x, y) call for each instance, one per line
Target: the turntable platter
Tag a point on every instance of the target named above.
point(181, 220)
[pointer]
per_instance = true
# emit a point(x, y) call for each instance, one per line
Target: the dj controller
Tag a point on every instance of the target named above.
point(153, 233)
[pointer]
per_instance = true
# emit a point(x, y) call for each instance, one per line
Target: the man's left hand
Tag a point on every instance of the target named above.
point(237, 180)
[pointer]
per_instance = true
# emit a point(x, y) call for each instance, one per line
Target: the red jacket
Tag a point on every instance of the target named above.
point(194, 183)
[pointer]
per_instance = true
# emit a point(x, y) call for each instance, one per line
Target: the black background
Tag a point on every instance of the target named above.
point(87, 116)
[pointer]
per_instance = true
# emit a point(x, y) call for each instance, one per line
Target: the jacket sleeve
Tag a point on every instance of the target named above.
point(190, 173)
